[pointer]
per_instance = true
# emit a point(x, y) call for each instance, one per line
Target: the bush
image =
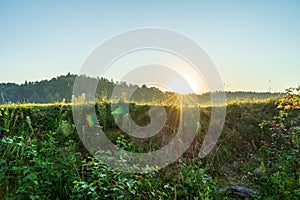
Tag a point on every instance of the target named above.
point(281, 157)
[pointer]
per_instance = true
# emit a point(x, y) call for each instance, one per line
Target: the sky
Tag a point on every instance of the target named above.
point(255, 45)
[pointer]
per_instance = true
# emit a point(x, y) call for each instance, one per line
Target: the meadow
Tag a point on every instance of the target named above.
point(42, 156)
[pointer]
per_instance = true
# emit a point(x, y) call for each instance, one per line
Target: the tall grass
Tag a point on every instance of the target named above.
point(42, 157)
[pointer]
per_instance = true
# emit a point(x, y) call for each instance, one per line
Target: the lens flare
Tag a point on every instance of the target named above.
point(90, 119)
point(120, 110)
point(181, 66)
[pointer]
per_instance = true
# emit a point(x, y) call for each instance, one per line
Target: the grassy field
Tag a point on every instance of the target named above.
point(42, 157)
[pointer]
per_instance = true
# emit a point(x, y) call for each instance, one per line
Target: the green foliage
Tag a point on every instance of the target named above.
point(4, 116)
point(41, 156)
point(35, 169)
point(281, 160)
point(195, 182)
point(102, 182)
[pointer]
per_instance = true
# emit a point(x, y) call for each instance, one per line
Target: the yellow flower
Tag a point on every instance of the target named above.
point(287, 107)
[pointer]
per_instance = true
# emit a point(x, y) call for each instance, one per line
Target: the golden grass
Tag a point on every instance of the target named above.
point(231, 102)
point(26, 105)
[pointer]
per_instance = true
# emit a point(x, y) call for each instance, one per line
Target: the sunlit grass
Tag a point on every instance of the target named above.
point(253, 101)
point(27, 105)
point(50, 126)
point(165, 103)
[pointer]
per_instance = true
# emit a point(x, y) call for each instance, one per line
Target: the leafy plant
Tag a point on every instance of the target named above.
point(281, 156)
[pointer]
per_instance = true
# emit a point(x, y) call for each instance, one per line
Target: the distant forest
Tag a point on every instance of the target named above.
point(61, 88)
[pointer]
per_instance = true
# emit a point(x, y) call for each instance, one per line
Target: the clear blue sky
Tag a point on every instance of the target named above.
point(251, 42)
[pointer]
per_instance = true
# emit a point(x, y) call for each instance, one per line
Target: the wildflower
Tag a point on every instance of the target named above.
point(287, 107)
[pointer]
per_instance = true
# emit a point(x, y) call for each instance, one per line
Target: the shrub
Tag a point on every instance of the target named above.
point(281, 157)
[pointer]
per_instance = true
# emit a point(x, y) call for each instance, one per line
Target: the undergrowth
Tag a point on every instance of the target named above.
point(42, 157)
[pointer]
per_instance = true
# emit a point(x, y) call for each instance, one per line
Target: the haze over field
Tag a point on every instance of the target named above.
point(61, 89)
point(255, 45)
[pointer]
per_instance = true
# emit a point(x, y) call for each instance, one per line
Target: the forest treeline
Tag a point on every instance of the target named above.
point(61, 89)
